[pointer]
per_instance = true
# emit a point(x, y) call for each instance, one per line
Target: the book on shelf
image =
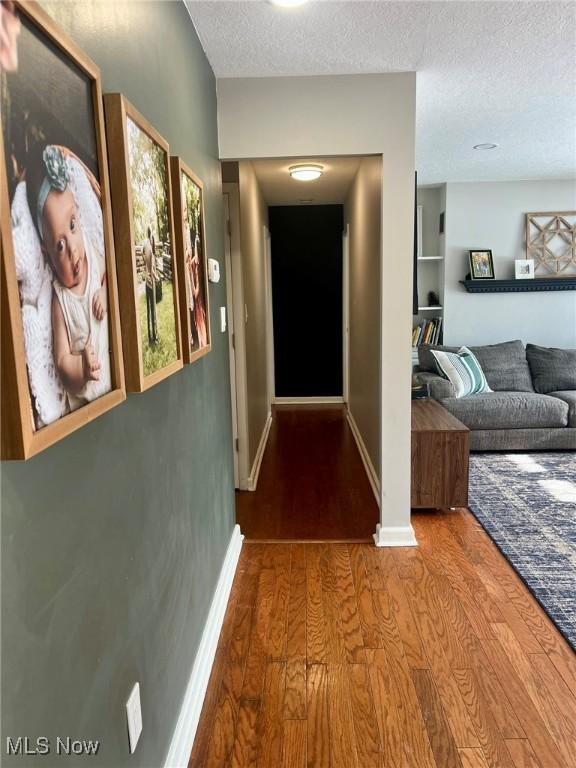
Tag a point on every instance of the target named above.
point(427, 332)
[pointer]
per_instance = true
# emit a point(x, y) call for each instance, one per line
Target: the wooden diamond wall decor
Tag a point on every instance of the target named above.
point(551, 242)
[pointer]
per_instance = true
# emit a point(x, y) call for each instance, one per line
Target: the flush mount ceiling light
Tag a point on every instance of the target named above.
point(307, 172)
point(485, 146)
point(288, 3)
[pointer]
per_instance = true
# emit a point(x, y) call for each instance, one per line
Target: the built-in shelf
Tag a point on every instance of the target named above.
point(520, 286)
point(428, 309)
point(430, 258)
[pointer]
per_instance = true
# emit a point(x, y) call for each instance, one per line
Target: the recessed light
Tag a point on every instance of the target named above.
point(306, 202)
point(288, 3)
point(307, 172)
point(485, 146)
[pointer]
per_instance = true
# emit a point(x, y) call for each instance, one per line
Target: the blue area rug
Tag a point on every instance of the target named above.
point(527, 503)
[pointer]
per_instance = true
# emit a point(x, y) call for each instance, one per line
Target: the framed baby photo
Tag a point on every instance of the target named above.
point(188, 204)
point(481, 265)
point(144, 234)
point(61, 348)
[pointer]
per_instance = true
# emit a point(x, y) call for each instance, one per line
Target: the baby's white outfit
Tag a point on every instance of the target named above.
point(82, 327)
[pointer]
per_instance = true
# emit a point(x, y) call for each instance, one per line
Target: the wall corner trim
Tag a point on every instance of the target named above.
point(395, 536)
point(253, 479)
point(365, 456)
point(185, 730)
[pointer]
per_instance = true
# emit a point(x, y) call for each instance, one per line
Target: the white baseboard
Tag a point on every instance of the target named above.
point(365, 456)
point(328, 400)
point(253, 479)
point(397, 536)
point(185, 731)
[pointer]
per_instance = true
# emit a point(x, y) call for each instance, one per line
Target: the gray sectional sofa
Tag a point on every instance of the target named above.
point(533, 403)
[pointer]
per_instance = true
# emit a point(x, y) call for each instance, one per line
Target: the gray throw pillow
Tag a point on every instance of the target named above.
point(505, 366)
point(552, 369)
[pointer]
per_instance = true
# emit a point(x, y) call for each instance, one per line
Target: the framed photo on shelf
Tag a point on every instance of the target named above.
point(61, 347)
point(188, 199)
point(481, 265)
point(524, 269)
point(143, 227)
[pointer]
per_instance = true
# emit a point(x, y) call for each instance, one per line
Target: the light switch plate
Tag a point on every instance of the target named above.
point(134, 717)
point(223, 319)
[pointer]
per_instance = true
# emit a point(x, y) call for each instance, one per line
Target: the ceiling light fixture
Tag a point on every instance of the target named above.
point(288, 3)
point(485, 146)
point(308, 172)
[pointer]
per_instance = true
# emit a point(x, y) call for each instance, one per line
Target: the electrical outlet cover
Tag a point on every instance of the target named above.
point(134, 717)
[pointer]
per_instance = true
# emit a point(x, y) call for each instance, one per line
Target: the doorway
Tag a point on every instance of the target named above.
point(305, 299)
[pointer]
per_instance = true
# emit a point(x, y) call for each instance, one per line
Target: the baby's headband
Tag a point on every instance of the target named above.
point(57, 177)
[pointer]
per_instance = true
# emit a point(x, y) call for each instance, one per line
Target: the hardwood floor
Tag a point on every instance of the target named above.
point(312, 482)
point(338, 655)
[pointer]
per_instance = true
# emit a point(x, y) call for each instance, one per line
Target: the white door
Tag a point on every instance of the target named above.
point(231, 334)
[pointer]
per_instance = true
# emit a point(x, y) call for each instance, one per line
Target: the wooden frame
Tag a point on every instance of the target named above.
point(474, 276)
point(117, 110)
point(555, 225)
point(20, 438)
point(179, 168)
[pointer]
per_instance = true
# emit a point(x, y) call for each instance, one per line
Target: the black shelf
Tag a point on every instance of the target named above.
point(520, 286)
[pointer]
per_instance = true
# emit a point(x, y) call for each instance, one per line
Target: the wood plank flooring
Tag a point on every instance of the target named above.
point(312, 482)
point(347, 656)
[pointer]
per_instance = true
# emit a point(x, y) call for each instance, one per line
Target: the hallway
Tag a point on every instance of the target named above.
point(312, 484)
point(337, 656)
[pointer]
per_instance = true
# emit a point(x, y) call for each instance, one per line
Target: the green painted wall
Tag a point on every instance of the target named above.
point(112, 540)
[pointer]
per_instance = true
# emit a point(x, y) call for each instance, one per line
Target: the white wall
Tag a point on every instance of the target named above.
point(491, 215)
point(351, 115)
point(253, 219)
point(363, 217)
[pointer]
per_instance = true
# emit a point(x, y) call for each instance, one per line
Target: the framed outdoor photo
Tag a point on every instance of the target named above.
point(143, 228)
point(188, 198)
point(481, 265)
point(61, 347)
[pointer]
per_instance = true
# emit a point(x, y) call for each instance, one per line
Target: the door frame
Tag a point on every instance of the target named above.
point(270, 374)
point(346, 312)
point(235, 298)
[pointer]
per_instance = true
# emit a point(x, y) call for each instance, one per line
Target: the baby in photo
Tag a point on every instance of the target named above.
point(79, 300)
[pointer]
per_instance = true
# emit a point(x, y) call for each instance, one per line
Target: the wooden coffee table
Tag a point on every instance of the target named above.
point(440, 455)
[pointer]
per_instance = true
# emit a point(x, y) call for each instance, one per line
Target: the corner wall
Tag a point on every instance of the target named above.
point(491, 215)
point(363, 218)
point(113, 539)
point(253, 219)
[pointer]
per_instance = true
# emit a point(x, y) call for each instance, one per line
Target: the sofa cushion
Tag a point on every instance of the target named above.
point(553, 370)
point(509, 410)
point(569, 396)
point(438, 387)
point(504, 365)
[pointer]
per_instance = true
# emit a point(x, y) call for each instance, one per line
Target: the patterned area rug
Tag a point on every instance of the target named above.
point(527, 503)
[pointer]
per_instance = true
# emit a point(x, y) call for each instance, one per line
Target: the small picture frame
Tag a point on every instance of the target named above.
point(481, 264)
point(524, 269)
point(190, 240)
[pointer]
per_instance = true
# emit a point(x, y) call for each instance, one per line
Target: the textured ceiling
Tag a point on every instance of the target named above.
point(500, 72)
point(279, 188)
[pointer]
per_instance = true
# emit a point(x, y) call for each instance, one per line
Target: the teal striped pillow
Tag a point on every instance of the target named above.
point(463, 370)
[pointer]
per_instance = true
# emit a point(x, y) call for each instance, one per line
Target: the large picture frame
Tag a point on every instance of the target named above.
point(144, 234)
point(190, 231)
point(58, 374)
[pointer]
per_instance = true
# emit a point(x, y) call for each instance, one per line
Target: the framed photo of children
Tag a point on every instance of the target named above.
point(147, 277)
point(188, 198)
point(481, 265)
point(61, 347)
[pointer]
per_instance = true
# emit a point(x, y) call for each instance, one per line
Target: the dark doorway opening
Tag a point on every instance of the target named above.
point(306, 256)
